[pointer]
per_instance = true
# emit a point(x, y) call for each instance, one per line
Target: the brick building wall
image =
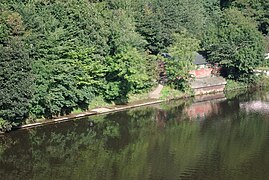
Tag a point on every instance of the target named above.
point(202, 72)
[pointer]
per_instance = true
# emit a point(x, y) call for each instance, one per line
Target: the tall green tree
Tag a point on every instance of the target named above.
point(256, 9)
point(15, 69)
point(69, 54)
point(178, 67)
point(159, 20)
point(128, 72)
point(236, 44)
point(71, 43)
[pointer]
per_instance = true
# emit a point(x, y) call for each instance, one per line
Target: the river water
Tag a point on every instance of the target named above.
point(205, 138)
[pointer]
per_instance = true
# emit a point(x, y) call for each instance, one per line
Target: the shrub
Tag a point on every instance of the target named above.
point(178, 67)
point(5, 125)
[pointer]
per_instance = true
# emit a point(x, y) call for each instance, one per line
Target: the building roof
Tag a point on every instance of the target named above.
point(166, 55)
point(199, 59)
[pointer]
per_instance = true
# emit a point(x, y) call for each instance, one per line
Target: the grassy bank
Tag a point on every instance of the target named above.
point(169, 93)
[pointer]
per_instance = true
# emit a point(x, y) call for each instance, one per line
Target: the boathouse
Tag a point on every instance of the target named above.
point(206, 77)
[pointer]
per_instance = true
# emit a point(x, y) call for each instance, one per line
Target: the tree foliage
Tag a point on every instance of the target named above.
point(178, 67)
point(256, 9)
point(159, 20)
point(15, 69)
point(128, 72)
point(57, 56)
point(236, 44)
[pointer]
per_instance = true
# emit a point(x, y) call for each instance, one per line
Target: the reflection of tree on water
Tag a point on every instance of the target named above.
point(129, 145)
point(172, 112)
point(161, 118)
point(54, 151)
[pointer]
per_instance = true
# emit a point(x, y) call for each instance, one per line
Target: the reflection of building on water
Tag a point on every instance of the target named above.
point(204, 106)
point(201, 110)
point(258, 106)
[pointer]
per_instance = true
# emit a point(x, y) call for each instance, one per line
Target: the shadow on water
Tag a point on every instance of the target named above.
point(186, 139)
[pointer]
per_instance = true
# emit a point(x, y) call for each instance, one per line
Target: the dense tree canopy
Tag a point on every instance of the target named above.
point(256, 9)
point(159, 20)
point(58, 56)
point(236, 44)
point(15, 73)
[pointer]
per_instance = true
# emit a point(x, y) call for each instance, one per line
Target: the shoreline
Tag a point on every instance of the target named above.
point(109, 109)
point(92, 112)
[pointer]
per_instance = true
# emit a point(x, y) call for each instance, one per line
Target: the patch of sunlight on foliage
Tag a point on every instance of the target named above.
point(5, 125)
point(263, 68)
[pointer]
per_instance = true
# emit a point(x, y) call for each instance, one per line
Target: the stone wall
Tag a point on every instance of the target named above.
point(208, 85)
point(207, 90)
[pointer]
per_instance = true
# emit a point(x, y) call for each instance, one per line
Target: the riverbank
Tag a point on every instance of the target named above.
point(167, 94)
point(98, 107)
point(95, 111)
point(164, 137)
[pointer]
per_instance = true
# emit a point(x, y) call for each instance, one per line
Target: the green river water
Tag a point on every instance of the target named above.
point(224, 138)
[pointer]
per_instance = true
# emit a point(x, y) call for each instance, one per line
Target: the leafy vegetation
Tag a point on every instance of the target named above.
point(177, 67)
point(59, 56)
point(15, 74)
point(237, 45)
point(5, 125)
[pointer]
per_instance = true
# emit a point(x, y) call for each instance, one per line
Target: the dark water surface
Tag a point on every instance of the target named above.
point(226, 138)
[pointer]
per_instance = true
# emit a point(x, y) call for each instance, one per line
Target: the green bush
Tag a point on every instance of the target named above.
point(262, 81)
point(127, 73)
point(5, 125)
point(178, 67)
